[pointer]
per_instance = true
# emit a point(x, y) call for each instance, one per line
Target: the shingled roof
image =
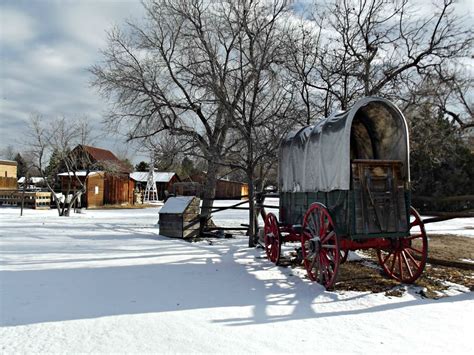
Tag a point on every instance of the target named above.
point(99, 154)
point(103, 157)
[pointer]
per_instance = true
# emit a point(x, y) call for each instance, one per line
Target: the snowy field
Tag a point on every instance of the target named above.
point(105, 281)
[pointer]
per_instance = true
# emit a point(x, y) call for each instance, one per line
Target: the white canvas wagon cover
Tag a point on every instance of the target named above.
point(317, 157)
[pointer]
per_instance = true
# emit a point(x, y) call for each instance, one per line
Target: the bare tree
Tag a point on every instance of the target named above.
point(187, 70)
point(454, 94)
point(371, 47)
point(166, 150)
point(264, 111)
point(8, 152)
point(170, 74)
point(59, 137)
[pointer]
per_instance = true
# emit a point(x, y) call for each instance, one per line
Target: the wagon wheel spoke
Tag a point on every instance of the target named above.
point(407, 264)
point(272, 238)
point(409, 254)
point(313, 226)
point(324, 266)
point(328, 266)
point(400, 267)
point(313, 259)
point(328, 236)
point(393, 262)
point(414, 261)
point(322, 224)
point(388, 256)
point(343, 255)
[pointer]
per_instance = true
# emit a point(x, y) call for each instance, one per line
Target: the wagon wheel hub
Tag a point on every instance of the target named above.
point(314, 245)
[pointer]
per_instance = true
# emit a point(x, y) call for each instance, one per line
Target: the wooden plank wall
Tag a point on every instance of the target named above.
point(116, 189)
point(8, 183)
point(181, 225)
point(229, 189)
point(8, 170)
point(94, 199)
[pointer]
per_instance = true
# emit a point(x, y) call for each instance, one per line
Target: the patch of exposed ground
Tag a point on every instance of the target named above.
point(447, 263)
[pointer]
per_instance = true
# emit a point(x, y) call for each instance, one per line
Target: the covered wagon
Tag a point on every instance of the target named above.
point(345, 185)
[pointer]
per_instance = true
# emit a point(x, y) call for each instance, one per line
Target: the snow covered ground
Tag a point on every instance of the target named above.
point(463, 227)
point(106, 281)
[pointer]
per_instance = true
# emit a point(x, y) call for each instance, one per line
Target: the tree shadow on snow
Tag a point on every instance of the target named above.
point(308, 300)
point(175, 276)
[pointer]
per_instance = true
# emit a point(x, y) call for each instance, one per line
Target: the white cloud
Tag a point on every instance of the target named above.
point(88, 21)
point(45, 50)
point(16, 28)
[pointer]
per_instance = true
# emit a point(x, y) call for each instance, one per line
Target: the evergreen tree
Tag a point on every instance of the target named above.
point(55, 166)
point(142, 166)
point(22, 167)
point(442, 164)
point(187, 168)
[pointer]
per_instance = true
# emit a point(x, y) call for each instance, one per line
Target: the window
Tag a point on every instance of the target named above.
point(96, 190)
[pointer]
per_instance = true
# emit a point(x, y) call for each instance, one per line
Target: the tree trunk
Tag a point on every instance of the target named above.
point(252, 215)
point(23, 195)
point(208, 194)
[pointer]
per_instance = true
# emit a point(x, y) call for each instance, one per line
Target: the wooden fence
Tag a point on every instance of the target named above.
point(35, 200)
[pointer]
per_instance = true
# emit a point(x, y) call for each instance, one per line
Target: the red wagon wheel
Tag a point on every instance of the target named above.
point(272, 238)
point(406, 259)
point(320, 246)
point(343, 254)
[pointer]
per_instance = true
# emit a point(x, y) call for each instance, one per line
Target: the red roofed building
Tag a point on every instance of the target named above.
point(100, 159)
point(108, 180)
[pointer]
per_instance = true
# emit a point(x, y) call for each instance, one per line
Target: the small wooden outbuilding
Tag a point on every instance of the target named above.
point(8, 170)
point(164, 181)
point(179, 217)
point(225, 189)
point(108, 181)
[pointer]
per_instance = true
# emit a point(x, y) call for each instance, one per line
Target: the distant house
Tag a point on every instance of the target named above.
point(164, 181)
point(33, 182)
point(9, 193)
point(99, 159)
point(226, 189)
point(8, 170)
point(108, 181)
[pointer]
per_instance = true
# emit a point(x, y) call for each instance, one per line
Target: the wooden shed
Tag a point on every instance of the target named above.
point(108, 182)
point(94, 182)
point(164, 181)
point(226, 189)
point(179, 217)
point(8, 169)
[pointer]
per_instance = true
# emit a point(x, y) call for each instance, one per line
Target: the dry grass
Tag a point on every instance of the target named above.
point(445, 263)
point(122, 207)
